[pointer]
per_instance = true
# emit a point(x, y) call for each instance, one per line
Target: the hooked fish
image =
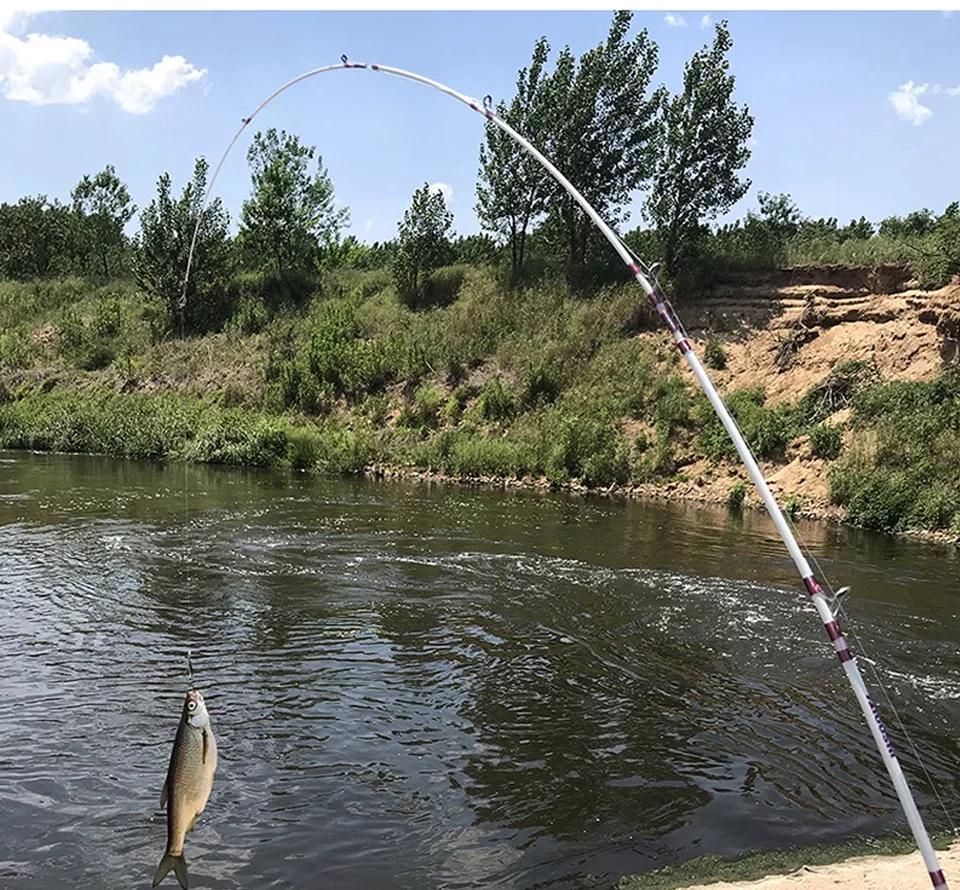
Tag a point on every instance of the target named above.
point(189, 783)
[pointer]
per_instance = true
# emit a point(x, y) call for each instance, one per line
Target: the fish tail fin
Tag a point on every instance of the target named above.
point(179, 866)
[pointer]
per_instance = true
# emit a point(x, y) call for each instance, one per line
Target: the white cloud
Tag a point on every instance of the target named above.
point(675, 21)
point(13, 20)
point(947, 91)
point(368, 225)
point(906, 102)
point(443, 188)
point(48, 69)
point(705, 21)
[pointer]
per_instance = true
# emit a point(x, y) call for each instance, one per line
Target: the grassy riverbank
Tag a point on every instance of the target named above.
point(500, 385)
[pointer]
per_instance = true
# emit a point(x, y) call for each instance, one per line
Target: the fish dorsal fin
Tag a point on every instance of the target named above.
point(164, 794)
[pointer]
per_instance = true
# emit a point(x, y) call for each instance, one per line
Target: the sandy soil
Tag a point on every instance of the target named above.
point(910, 335)
point(905, 872)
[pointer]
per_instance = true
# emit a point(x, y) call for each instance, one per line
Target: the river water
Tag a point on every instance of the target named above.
point(422, 686)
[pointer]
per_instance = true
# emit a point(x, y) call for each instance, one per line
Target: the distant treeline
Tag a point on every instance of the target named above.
point(597, 116)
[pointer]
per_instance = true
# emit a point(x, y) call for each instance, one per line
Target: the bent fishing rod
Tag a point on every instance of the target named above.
point(643, 275)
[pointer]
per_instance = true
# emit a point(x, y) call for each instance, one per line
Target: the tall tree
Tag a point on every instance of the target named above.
point(423, 244)
point(162, 247)
point(602, 130)
point(35, 238)
point(512, 187)
point(704, 149)
point(102, 208)
point(291, 216)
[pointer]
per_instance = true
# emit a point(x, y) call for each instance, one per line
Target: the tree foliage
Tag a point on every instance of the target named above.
point(36, 238)
point(704, 150)
point(512, 186)
point(423, 244)
point(601, 132)
point(102, 208)
point(594, 118)
point(291, 218)
point(162, 247)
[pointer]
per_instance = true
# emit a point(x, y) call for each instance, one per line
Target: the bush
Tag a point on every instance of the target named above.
point(737, 495)
point(251, 316)
point(714, 355)
point(303, 449)
point(909, 474)
point(456, 403)
point(767, 431)
point(465, 455)
point(17, 351)
point(425, 411)
point(375, 408)
point(588, 449)
point(233, 438)
point(826, 441)
point(541, 386)
point(837, 389)
point(496, 401)
point(275, 291)
point(442, 286)
point(336, 356)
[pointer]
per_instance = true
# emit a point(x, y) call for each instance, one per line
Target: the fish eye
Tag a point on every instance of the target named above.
point(192, 706)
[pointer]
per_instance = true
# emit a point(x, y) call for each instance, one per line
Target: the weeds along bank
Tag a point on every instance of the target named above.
point(503, 385)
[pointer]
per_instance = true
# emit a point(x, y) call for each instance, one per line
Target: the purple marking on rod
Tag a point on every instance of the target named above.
point(489, 115)
point(833, 630)
point(683, 346)
point(883, 730)
point(474, 106)
point(375, 67)
point(846, 655)
point(635, 268)
point(939, 881)
point(662, 309)
point(812, 586)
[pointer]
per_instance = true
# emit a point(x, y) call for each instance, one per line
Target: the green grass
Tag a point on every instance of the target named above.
point(176, 428)
point(905, 473)
point(534, 382)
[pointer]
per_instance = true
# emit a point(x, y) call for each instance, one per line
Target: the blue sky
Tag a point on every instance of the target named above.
point(856, 112)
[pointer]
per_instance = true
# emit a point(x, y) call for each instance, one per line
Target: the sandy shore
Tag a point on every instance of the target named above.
point(905, 872)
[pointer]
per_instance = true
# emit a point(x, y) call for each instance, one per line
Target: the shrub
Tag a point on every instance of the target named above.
point(17, 351)
point(826, 441)
point(541, 385)
point(588, 449)
point(714, 355)
point(496, 401)
point(767, 431)
point(737, 495)
point(442, 286)
point(425, 409)
point(456, 403)
point(837, 389)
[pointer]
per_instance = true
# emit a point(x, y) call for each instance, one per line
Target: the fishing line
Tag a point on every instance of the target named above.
point(671, 320)
point(873, 663)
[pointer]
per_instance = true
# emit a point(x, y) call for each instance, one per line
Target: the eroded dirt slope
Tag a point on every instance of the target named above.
point(787, 336)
